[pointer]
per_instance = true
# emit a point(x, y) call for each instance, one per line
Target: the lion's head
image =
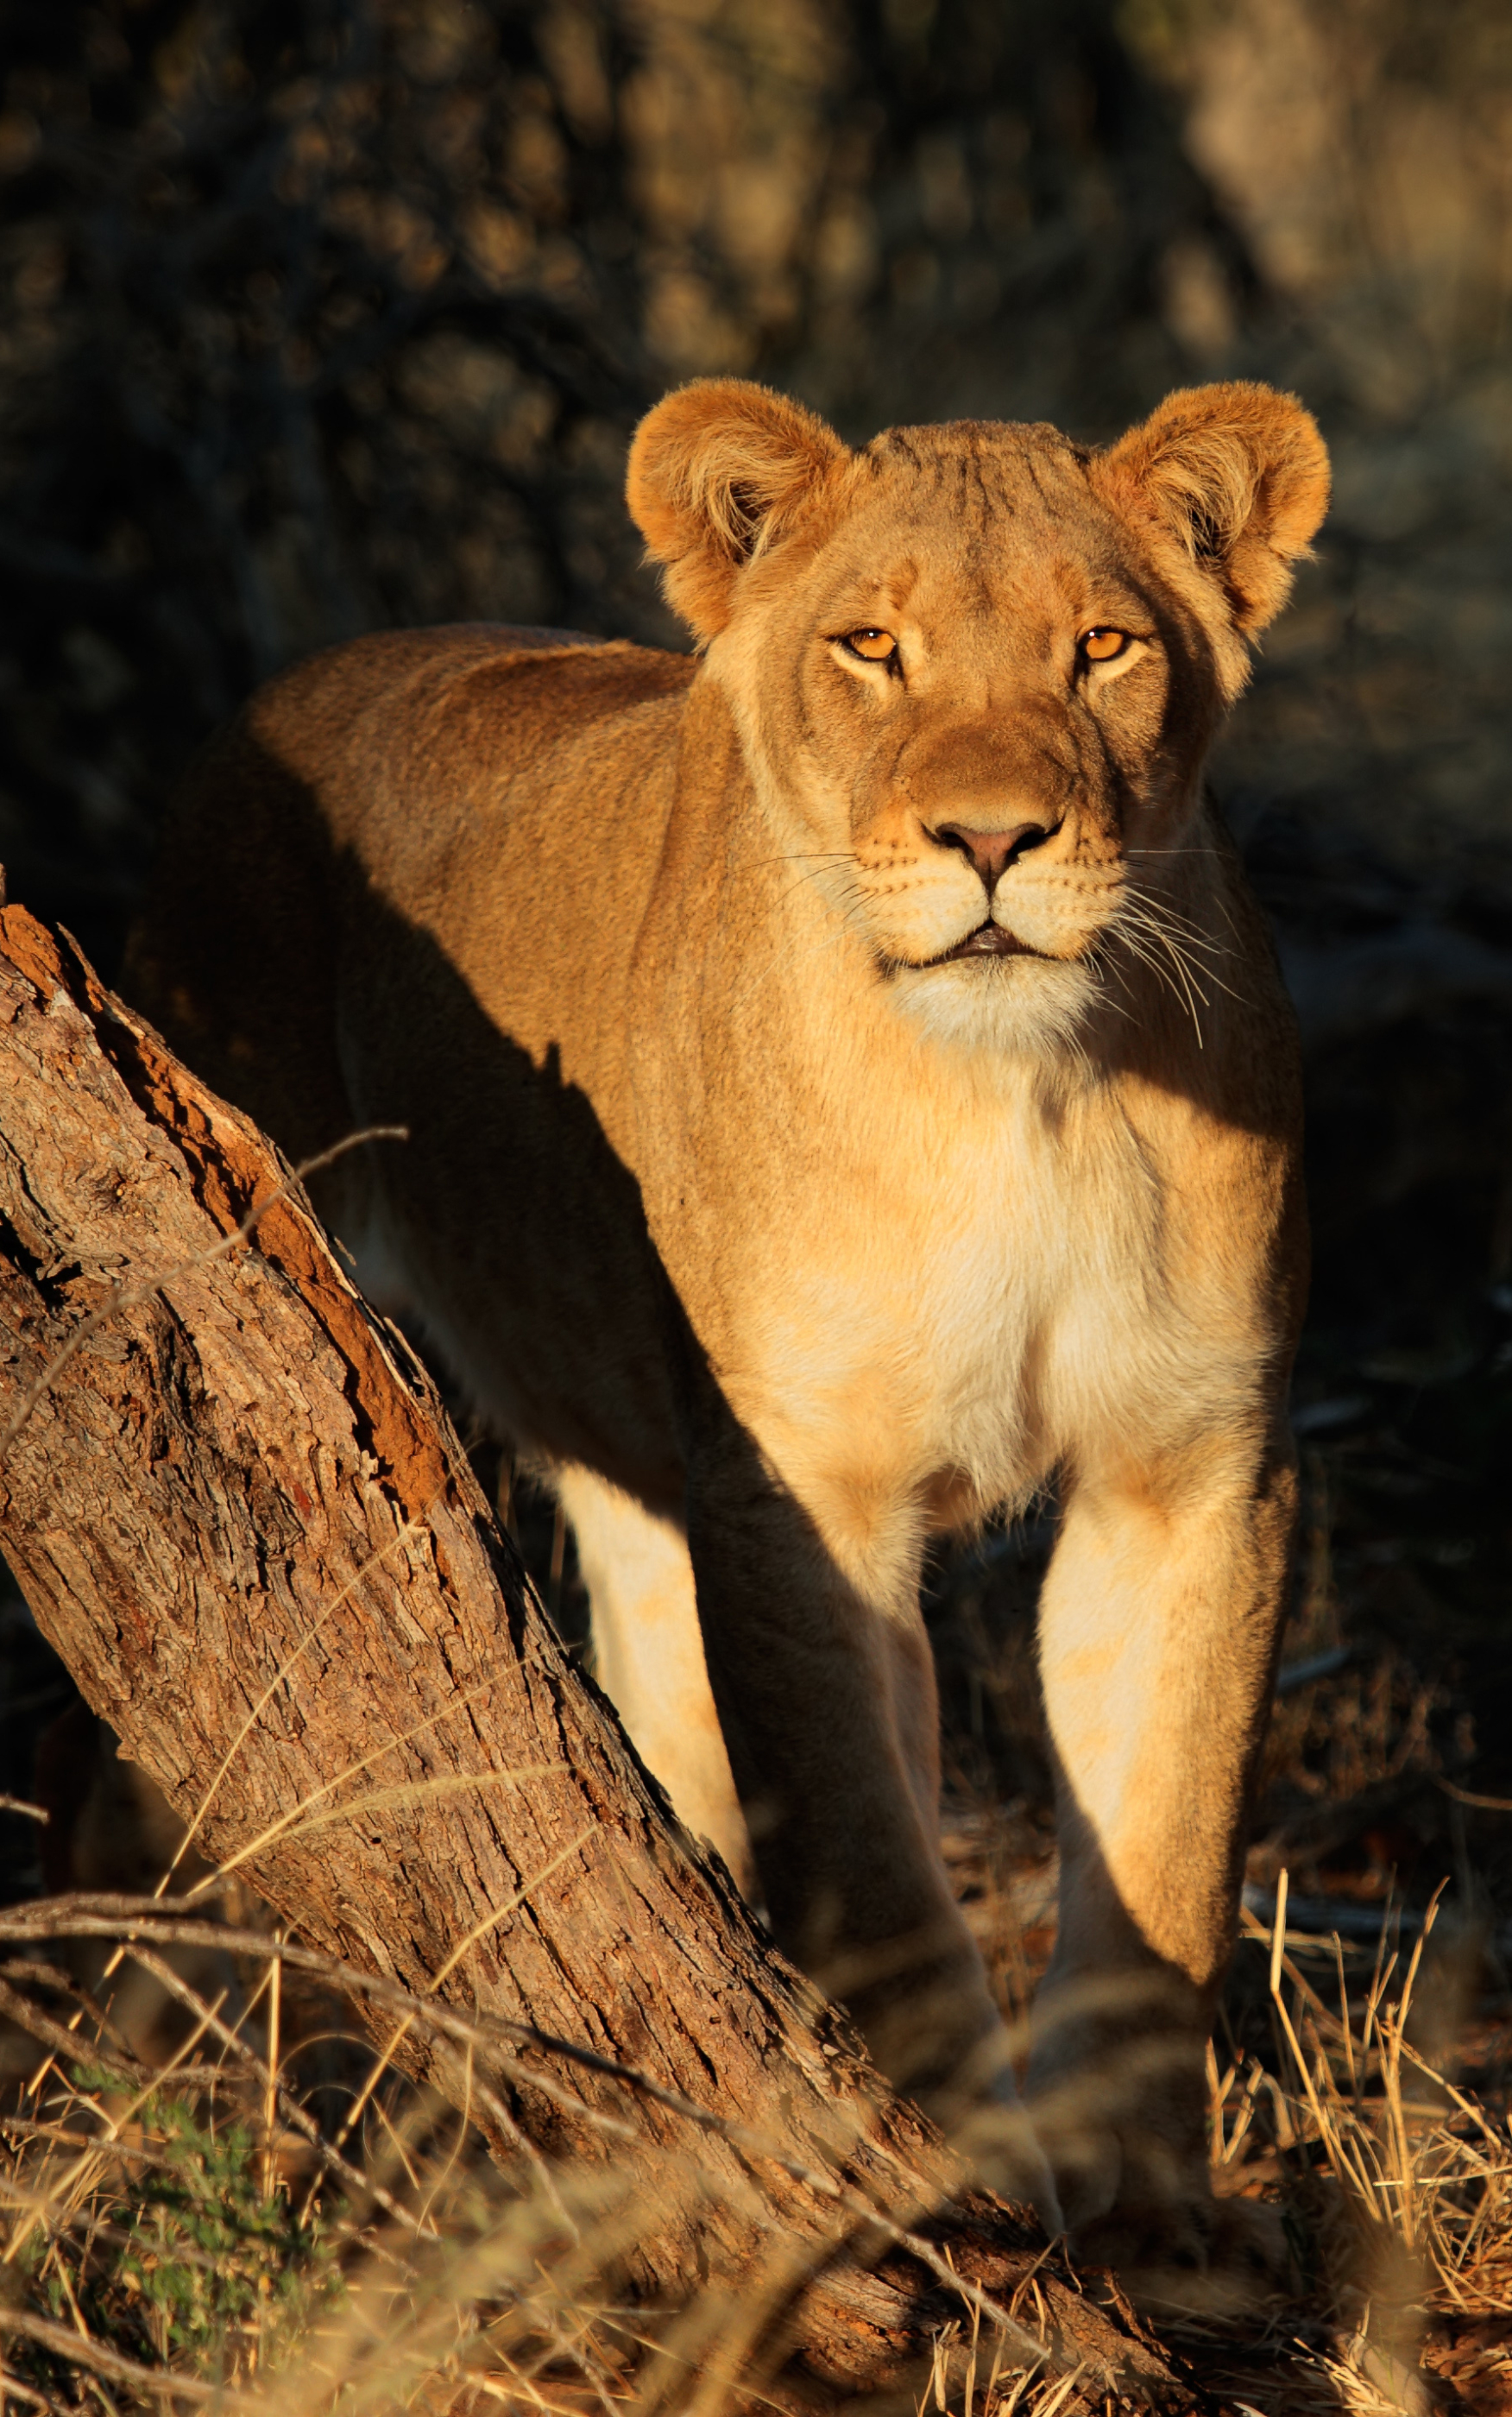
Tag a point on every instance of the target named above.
point(977, 667)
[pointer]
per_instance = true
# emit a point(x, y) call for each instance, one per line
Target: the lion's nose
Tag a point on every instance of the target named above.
point(991, 851)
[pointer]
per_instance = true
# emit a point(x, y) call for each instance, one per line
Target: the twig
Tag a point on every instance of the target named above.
point(87, 2352)
point(1481, 1804)
point(58, 2136)
point(66, 2043)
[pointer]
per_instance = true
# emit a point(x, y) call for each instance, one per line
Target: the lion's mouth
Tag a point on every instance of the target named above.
point(988, 940)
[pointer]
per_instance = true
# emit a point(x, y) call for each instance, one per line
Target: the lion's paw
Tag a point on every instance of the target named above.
point(997, 2139)
point(1198, 2253)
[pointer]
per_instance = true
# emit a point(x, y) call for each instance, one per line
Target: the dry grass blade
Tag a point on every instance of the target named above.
point(1404, 2199)
point(404, 1534)
point(297, 1817)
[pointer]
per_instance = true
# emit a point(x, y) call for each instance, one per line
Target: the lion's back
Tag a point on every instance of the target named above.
point(362, 758)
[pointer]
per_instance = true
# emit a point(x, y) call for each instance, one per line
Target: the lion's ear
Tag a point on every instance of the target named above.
point(718, 471)
point(1238, 475)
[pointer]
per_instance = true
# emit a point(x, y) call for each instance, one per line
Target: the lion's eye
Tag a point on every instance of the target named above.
point(1102, 646)
point(873, 646)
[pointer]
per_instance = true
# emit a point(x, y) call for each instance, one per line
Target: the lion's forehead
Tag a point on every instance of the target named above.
point(941, 568)
point(979, 473)
point(973, 514)
point(952, 448)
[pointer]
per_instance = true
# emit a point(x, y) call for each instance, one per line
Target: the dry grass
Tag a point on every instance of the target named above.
point(190, 2236)
point(1395, 2184)
point(1333, 2097)
point(279, 2220)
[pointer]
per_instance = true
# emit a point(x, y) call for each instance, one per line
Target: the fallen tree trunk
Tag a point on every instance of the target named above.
point(240, 1513)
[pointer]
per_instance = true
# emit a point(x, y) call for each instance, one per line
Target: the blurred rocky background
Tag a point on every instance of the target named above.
point(323, 315)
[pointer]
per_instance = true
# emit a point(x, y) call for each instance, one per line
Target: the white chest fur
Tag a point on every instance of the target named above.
point(983, 1292)
point(1033, 1301)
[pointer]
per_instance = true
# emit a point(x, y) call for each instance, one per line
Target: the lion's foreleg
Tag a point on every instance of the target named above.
point(1158, 1624)
point(827, 1717)
point(825, 1690)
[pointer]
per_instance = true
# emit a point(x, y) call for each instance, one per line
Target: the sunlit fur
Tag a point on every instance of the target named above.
point(788, 1247)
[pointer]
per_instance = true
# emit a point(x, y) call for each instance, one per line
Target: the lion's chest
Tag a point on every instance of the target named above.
point(948, 1327)
point(1037, 1314)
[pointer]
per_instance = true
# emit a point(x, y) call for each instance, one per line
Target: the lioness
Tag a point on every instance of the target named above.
point(850, 1090)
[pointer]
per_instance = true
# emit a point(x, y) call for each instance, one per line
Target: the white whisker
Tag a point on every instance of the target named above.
point(1179, 936)
point(1171, 942)
point(1158, 912)
point(1174, 977)
point(1099, 962)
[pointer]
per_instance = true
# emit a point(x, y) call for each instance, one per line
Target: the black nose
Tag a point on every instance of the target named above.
point(991, 851)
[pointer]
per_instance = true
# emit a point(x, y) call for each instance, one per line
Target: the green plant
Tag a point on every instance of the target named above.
point(197, 2257)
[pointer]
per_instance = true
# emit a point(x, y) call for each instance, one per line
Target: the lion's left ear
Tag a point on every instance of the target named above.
point(1238, 475)
point(719, 471)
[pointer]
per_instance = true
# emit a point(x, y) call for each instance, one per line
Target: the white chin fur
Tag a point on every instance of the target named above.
point(1034, 1006)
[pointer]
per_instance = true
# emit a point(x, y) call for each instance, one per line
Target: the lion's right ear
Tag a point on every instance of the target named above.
point(719, 471)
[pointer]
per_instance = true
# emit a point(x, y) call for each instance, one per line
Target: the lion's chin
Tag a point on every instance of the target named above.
point(978, 999)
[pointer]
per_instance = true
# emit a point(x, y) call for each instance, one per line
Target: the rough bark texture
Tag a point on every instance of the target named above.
point(240, 1514)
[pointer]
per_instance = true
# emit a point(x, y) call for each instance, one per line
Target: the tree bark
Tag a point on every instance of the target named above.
point(238, 1510)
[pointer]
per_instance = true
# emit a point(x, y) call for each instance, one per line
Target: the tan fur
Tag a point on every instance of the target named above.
point(767, 1229)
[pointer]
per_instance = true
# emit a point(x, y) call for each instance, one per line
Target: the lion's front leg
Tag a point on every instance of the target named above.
point(824, 1683)
point(1158, 1624)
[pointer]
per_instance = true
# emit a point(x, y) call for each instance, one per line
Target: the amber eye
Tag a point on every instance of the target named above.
point(873, 646)
point(1102, 646)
